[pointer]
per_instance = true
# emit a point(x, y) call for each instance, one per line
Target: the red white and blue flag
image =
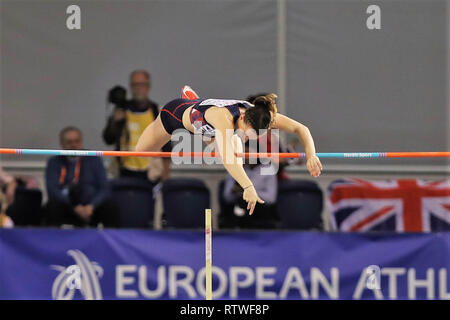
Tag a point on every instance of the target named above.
point(390, 205)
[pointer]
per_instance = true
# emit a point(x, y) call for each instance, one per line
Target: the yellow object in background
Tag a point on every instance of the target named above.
point(136, 124)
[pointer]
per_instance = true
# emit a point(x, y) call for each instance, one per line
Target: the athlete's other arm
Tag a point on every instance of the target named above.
point(291, 126)
point(222, 121)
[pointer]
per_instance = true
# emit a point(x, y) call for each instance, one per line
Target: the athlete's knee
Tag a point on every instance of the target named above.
point(140, 147)
point(143, 146)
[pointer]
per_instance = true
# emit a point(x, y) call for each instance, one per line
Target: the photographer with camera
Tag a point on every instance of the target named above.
point(126, 124)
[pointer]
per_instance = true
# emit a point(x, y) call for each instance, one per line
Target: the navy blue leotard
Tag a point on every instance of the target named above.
point(172, 113)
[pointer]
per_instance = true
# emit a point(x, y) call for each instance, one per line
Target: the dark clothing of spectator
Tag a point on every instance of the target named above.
point(71, 181)
point(124, 172)
point(59, 213)
point(114, 129)
point(116, 132)
point(234, 213)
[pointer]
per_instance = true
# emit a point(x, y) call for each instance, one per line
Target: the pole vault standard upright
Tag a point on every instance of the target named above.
point(208, 255)
point(93, 153)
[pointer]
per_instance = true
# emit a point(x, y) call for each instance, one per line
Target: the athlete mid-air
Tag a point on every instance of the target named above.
point(215, 118)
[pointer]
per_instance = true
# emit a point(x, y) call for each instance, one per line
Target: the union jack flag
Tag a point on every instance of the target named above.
point(389, 205)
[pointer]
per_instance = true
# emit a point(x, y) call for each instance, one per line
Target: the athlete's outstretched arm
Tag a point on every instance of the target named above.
point(291, 126)
point(224, 130)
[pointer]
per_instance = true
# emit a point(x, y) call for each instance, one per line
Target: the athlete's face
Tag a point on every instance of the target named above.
point(245, 130)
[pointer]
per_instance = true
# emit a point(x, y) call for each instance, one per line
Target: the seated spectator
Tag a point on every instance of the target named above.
point(264, 215)
point(126, 125)
point(5, 221)
point(77, 187)
point(9, 183)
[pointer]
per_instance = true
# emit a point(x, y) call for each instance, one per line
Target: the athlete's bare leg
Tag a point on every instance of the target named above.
point(154, 137)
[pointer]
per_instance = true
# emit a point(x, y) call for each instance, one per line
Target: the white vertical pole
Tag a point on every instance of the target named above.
point(208, 254)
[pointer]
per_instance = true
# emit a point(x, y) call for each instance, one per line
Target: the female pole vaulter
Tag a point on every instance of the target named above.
point(217, 118)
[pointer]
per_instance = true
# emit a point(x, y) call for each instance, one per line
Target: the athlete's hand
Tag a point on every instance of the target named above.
point(251, 197)
point(314, 166)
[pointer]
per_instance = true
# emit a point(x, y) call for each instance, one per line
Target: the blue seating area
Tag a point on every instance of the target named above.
point(184, 202)
point(299, 205)
point(134, 198)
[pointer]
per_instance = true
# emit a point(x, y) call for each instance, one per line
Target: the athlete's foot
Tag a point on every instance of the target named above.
point(188, 93)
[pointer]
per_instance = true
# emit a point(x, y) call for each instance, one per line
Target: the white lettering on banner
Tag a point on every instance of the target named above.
point(317, 277)
point(443, 293)
point(414, 283)
point(362, 285)
point(262, 282)
point(185, 282)
point(181, 279)
point(393, 273)
point(216, 272)
point(160, 282)
point(122, 280)
point(177, 281)
point(294, 280)
point(235, 283)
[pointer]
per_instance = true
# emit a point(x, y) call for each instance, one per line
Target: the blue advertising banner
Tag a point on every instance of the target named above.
point(139, 264)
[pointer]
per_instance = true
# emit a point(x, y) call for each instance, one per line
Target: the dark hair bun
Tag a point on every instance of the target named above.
point(262, 114)
point(267, 101)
